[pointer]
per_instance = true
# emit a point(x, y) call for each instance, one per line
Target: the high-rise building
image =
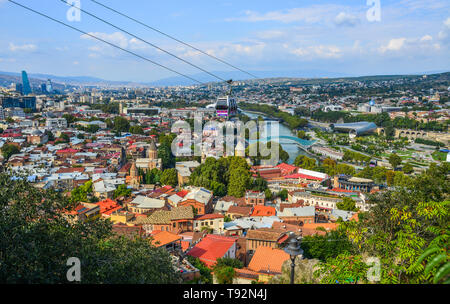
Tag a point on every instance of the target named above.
point(26, 84)
point(18, 102)
point(19, 88)
point(49, 86)
point(43, 88)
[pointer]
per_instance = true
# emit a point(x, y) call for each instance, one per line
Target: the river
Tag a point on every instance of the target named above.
point(291, 148)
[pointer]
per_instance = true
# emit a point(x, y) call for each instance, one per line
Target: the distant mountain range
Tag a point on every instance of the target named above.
point(7, 78)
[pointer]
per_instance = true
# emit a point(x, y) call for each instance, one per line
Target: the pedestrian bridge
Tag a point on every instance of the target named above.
point(293, 139)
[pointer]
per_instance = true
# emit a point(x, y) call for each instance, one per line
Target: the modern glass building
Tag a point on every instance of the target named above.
point(355, 128)
point(26, 84)
point(21, 102)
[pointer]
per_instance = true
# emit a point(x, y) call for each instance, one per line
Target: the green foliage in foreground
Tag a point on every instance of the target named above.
point(406, 229)
point(36, 240)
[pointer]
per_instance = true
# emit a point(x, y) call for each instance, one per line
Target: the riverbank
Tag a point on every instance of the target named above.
point(292, 149)
point(291, 121)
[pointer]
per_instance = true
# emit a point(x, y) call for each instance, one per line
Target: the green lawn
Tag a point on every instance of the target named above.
point(440, 156)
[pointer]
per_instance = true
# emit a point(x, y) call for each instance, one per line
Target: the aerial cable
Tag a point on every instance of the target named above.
point(175, 39)
point(109, 43)
point(143, 40)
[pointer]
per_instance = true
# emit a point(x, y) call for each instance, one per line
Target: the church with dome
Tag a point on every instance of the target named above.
point(151, 160)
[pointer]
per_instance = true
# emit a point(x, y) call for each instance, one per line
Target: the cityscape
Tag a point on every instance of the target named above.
point(223, 177)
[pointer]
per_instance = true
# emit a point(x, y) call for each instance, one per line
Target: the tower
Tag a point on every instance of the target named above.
point(26, 89)
point(133, 170)
point(133, 179)
point(49, 87)
point(152, 152)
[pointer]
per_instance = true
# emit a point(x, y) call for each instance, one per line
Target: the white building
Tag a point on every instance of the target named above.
point(56, 123)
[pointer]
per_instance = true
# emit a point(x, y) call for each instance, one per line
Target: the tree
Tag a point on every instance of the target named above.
point(64, 137)
point(218, 189)
point(268, 194)
point(259, 184)
point(324, 247)
point(302, 135)
point(305, 162)
point(50, 135)
point(223, 262)
point(37, 237)
point(347, 204)
point(205, 272)
point(136, 130)
point(240, 181)
point(398, 229)
point(121, 124)
point(283, 194)
point(8, 150)
point(345, 169)
point(408, 168)
point(225, 275)
point(169, 177)
point(165, 151)
point(394, 160)
point(435, 260)
point(344, 269)
point(390, 177)
point(80, 193)
point(69, 118)
point(92, 128)
point(122, 190)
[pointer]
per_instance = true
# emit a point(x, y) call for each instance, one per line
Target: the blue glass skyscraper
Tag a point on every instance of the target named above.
point(26, 84)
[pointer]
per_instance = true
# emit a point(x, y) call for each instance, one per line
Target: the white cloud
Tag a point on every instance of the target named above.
point(24, 47)
point(426, 38)
point(116, 38)
point(136, 44)
point(345, 19)
point(312, 14)
point(411, 45)
point(320, 51)
point(424, 5)
point(270, 34)
point(444, 34)
point(395, 44)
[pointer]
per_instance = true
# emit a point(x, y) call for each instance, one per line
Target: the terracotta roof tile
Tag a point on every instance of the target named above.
point(162, 238)
point(268, 259)
point(212, 247)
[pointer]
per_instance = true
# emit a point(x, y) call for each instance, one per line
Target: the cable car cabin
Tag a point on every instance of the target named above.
point(226, 107)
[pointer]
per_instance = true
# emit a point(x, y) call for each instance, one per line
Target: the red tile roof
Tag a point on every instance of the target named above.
point(286, 168)
point(267, 259)
point(209, 216)
point(341, 190)
point(108, 206)
point(70, 170)
point(263, 211)
point(182, 193)
point(69, 150)
point(300, 175)
point(212, 247)
point(161, 238)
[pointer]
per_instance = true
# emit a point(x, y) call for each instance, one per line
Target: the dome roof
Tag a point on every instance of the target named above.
point(36, 132)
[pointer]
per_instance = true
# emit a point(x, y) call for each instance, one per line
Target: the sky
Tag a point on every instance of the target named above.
point(351, 37)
